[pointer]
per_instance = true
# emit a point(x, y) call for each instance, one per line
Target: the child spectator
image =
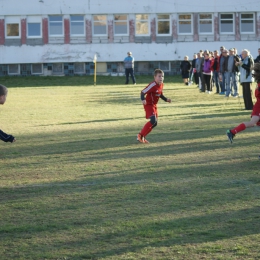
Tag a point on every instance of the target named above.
point(3, 136)
point(150, 96)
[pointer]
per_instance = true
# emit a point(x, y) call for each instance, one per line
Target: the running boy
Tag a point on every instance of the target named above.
point(150, 96)
point(3, 136)
point(255, 115)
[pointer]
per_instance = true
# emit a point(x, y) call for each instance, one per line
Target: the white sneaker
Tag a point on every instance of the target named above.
point(209, 92)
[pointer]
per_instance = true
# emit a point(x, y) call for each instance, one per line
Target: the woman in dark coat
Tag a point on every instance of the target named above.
point(185, 69)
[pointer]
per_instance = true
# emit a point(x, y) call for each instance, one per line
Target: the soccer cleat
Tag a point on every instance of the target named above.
point(230, 136)
point(140, 138)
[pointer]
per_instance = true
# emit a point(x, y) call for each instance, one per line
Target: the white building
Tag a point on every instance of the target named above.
point(61, 36)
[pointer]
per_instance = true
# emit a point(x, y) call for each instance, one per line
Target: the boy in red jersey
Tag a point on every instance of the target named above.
point(150, 96)
point(255, 115)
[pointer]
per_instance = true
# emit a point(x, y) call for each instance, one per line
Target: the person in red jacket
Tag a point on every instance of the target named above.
point(255, 115)
point(150, 96)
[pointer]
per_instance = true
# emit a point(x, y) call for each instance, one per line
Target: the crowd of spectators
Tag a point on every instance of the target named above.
point(221, 71)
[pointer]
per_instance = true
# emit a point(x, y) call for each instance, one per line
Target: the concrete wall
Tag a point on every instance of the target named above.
point(112, 49)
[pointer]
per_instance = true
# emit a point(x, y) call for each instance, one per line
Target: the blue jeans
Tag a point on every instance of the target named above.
point(216, 80)
point(231, 80)
point(131, 72)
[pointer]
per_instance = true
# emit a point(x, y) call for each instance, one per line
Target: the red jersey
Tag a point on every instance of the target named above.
point(153, 92)
point(256, 108)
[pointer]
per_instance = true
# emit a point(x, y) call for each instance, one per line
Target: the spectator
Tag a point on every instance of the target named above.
point(245, 68)
point(194, 73)
point(223, 70)
point(222, 81)
point(198, 68)
point(231, 71)
point(257, 60)
point(129, 67)
point(207, 72)
point(216, 71)
point(185, 69)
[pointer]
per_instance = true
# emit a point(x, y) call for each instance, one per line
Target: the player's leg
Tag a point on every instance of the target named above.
point(231, 133)
point(132, 75)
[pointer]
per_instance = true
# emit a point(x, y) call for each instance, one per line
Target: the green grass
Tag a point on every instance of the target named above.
point(77, 185)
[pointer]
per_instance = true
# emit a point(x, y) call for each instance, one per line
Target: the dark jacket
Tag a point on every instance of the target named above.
point(225, 64)
point(185, 66)
point(257, 60)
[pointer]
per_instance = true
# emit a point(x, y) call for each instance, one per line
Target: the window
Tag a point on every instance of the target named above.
point(12, 27)
point(34, 27)
point(37, 68)
point(79, 67)
point(165, 65)
point(247, 23)
point(226, 23)
point(56, 25)
point(185, 24)
point(120, 24)
point(13, 69)
point(163, 24)
point(142, 24)
point(100, 25)
point(77, 27)
point(205, 23)
point(57, 68)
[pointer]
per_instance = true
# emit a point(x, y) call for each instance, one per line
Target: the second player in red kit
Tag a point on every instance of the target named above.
point(150, 96)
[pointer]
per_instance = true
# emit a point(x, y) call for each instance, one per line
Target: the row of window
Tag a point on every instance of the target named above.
point(77, 68)
point(121, 25)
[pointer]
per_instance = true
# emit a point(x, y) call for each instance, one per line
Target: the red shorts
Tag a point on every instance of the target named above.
point(150, 111)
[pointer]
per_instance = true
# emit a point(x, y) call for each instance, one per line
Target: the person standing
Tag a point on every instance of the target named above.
point(207, 72)
point(222, 81)
point(231, 74)
point(198, 69)
point(216, 72)
point(185, 67)
point(129, 67)
point(245, 68)
point(193, 72)
point(257, 60)
point(223, 70)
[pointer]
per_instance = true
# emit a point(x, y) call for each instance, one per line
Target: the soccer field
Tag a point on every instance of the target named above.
point(77, 185)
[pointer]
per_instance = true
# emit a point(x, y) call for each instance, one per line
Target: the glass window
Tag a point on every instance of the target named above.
point(247, 23)
point(185, 24)
point(56, 25)
point(163, 24)
point(120, 24)
point(142, 24)
point(13, 69)
point(57, 68)
point(100, 25)
point(79, 67)
point(77, 25)
point(37, 68)
point(226, 23)
point(205, 23)
point(34, 26)
point(12, 30)
point(165, 65)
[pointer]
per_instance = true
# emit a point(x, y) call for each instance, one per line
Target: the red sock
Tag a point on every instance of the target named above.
point(238, 129)
point(146, 129)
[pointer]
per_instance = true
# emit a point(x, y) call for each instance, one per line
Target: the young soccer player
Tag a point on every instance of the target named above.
point(150, 96)
point(255, 115)
point(3, 136)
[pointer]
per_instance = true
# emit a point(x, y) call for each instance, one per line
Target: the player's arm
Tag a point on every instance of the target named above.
point(6, 138)
point(165, 98)
point(143, 98)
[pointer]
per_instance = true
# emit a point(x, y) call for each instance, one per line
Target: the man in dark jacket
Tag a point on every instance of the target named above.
point(257, 60)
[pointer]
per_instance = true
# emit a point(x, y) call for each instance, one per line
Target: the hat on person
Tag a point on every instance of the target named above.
point(129, 53)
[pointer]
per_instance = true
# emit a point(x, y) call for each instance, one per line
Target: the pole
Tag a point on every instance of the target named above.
point(95, 69)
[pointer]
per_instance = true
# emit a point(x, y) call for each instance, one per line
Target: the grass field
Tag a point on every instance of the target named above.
point(77, 185)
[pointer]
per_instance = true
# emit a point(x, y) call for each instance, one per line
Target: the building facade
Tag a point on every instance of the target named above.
point(61, 37)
